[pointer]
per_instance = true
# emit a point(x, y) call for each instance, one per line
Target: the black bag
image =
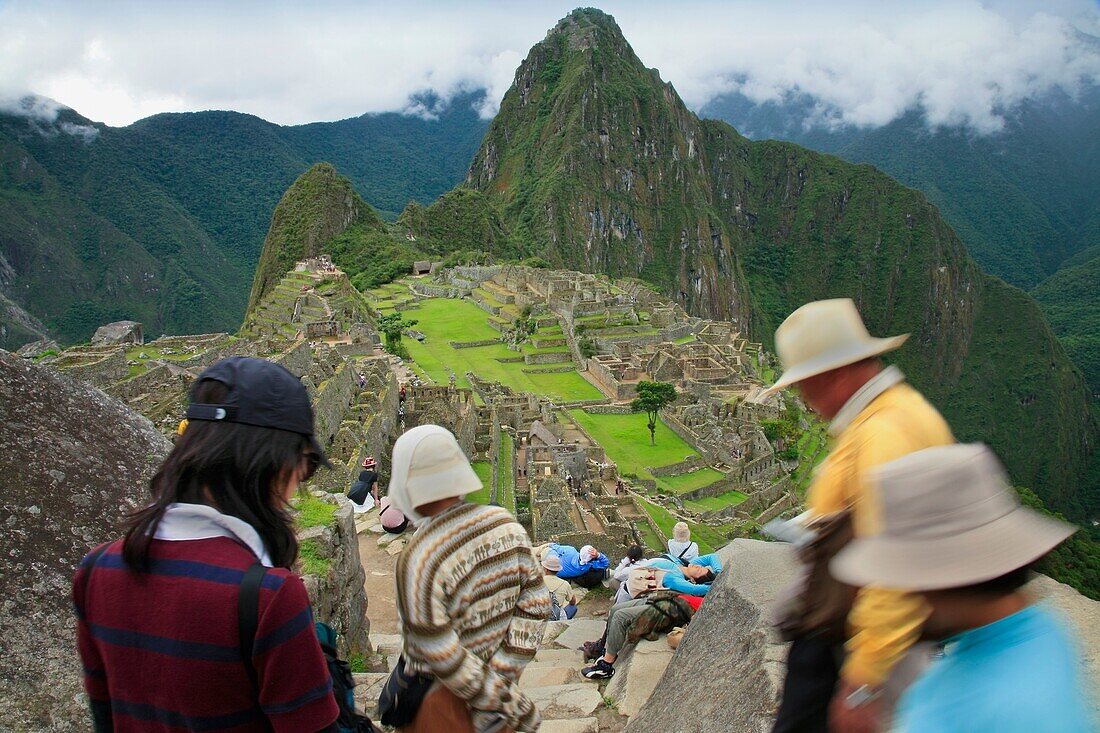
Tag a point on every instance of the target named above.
point(402, 696)
point(358, 492)
point(248, 608)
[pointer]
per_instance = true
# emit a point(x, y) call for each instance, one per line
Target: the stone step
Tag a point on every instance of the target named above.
point(547, 676)
point(368, 685)
point(580, 630)
point(572, 725)
point(566, 701)
point(556, 658)
point(637, 673)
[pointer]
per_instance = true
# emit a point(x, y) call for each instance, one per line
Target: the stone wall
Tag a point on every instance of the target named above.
point(687, 465)
point(101, 372)
point(332, 400)
point(760, 500)
point(337, 595)
point(297, 359)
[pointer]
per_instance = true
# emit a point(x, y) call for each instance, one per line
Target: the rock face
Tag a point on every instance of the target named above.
point(72, 461)
point(730, 644)
point(119, 332)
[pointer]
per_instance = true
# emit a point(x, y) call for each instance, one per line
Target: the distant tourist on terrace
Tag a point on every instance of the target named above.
point(680, 546)
point(955, 532)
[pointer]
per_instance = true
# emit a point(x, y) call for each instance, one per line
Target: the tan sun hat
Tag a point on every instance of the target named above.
point(428, 465)
point(822, 336)
point(950, 520)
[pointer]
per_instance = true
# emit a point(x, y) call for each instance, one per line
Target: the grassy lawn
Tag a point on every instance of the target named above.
point(506, 474)
point(442, 320)
point(686, 339)
point(689, 481)
point(716, 502)
point(811, 451)
point(626, 440)
point(483, 469)
point(652, 541)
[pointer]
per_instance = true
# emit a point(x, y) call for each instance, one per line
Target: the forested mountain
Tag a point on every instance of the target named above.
point(1025, 201)
point(162, 221)
point(594, 163)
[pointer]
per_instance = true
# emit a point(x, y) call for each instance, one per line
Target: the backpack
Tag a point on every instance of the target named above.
point(343, 684)
point(664, 610)
point(644, 580)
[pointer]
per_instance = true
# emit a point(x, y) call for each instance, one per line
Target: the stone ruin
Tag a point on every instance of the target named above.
point(120, 332)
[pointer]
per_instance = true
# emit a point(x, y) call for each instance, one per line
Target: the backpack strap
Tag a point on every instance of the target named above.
point(248, 610)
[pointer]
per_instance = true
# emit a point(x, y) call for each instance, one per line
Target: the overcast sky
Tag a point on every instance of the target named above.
point(290, 63)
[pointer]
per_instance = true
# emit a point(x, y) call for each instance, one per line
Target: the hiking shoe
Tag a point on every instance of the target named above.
point(592, 650)
point(601, 670)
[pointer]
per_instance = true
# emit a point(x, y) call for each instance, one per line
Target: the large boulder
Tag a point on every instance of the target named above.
point(730, 650)
point(72, 462)
point(119, 332)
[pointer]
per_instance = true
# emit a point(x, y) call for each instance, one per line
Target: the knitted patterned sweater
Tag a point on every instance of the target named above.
point(473, 608)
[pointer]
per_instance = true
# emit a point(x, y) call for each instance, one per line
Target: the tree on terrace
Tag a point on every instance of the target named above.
point(392, 326)
point(652, 396)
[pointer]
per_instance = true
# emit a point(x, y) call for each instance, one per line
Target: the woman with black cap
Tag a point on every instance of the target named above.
point(159, 611)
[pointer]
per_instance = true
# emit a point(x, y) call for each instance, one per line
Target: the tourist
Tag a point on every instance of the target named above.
point(560, 589)
point(875, 417)
point(390, 517)
point(364, 490)
point(157, 611)
point(362, 381)
point(691, 583)
point(502, 606)
point(586, 567)
point(680, 546)
point(955, 532)
point(618, 576)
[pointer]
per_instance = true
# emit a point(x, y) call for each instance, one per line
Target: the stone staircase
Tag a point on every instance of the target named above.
point(568, 702)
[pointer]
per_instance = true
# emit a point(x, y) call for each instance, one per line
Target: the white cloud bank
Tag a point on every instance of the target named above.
point(963, 62)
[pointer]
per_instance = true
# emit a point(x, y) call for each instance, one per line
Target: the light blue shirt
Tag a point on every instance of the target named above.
point(675, 579)
point(1021, 674)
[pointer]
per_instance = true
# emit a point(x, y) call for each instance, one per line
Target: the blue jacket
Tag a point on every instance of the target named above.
point(571, 562)
point(675, 579)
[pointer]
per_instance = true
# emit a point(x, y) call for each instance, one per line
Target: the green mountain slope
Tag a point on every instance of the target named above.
point(163, 221)
point(1071, 302)
point(593, 162)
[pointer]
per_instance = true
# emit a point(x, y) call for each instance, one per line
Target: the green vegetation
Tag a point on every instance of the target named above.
point(357, 663)
point(708, 538)
point(312, 512)
point(624, 439)
point(392, 326)
point(443, 321)
point(484, 471)
point(1076, 561)
point(1070, 303)
point(311, 559)
point(685, 482)
point(652, 398)
point(506, 474)
point(714, 503)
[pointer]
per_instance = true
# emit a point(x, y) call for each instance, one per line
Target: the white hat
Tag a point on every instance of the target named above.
point(950, 520)
point(824, 335)
point(428, 465)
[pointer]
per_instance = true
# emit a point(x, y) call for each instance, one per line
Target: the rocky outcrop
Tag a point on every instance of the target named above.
point(72, 461)
point(337, 593)
point(119, 332)
point(730, 642)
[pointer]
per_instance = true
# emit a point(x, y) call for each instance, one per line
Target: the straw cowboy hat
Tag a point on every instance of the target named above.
point(950, 520)
point(822, 336)
point(428, 465)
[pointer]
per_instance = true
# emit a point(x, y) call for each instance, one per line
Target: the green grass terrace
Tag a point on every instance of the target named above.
point(443, 321)
point(626, 441)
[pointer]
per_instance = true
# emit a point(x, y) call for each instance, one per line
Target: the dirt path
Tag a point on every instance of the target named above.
point(379, 567)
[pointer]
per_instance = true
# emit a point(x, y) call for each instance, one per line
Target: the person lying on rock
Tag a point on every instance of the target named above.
point(586, 567)
point(674, 593)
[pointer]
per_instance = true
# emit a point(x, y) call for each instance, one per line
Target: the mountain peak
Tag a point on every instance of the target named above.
point(585, 28)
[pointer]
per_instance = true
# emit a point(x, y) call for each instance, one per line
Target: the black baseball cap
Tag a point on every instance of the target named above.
point(261, 393)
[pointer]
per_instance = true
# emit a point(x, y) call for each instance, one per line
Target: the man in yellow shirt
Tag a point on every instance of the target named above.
point(875, 417)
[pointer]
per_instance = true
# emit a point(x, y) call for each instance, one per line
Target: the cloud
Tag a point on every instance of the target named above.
point(864, 63)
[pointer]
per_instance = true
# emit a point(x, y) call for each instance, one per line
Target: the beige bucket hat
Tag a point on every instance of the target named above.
point(950, 520)
point(428, 465)
point(824, 335)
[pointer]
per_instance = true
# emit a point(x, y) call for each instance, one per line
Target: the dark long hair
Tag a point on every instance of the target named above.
point(234, 468)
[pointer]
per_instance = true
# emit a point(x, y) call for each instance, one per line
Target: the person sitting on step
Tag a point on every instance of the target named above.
point(680, 546)
point(618, 577)
point(586, 567)
point(561, 592)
